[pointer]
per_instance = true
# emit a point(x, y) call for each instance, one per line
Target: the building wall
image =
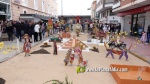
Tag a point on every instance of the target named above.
point(93, 8)
point(125, 2)
point(53, 8)
point(18, 8)
point(147, 21)
point(127, 25)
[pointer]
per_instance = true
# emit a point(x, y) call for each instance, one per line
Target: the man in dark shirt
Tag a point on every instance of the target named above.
point(26, 27)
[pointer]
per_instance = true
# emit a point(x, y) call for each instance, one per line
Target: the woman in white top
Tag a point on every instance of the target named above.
point(105, 28)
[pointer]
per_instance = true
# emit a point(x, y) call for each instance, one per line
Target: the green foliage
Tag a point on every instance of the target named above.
point(59, 82)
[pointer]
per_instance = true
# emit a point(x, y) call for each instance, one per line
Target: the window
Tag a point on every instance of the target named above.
point(48, 9)
point(25, 2)
point(43, 6)
point(36, 4)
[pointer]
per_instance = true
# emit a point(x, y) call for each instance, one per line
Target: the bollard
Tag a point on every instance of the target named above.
point(18, 45)
point(33, 39)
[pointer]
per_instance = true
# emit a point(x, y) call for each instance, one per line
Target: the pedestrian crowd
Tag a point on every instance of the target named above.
point(20, 28)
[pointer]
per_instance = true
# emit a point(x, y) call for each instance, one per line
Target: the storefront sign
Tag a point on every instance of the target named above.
point(135, 11)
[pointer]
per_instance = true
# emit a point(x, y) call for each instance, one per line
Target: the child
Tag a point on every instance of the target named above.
point(143, 38)
point(26, 36)
point(27, 47)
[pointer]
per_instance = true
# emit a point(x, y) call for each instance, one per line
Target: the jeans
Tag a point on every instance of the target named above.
point(43, 32)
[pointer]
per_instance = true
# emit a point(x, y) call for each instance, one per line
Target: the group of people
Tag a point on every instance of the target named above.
point(106, 27)
point(20, 28)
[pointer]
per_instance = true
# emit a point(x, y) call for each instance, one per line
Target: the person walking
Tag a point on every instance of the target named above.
point(40, 31)
point(148, 34)
point(112, 29)
point(36, 32)
point(83, 27)
point(1, 30)
point(10, 30)
point(91, 26)
point(143, 38)
point(26, 27)
point(118, 28)
point(27, 47)
point(18, 30)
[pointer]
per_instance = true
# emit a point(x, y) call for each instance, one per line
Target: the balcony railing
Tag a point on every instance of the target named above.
point(116, 5)
point(5, 1)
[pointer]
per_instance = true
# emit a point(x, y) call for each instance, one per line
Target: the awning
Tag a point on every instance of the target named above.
point(135, 11)
point(32, 16)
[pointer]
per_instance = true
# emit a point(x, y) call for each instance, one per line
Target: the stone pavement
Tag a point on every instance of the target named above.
point(142, 51)
point(40, 68)
point(10, 54)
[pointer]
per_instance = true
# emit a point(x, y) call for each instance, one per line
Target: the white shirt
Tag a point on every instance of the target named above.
point(105, 28)
point(91, 25)
point(36, 28)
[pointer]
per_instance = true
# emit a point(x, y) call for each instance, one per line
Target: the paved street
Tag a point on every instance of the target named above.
point(12, 53)
point(138, 49)
point(39, 68)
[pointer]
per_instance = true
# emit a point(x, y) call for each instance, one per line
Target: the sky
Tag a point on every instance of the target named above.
point(75, 7)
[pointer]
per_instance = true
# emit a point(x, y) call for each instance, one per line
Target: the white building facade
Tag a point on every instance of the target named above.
point(135, 15)
point(104, 10)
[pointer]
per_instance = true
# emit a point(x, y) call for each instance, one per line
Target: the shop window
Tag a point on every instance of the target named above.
point(36, 4)
point(25, 2)
point(138, 23)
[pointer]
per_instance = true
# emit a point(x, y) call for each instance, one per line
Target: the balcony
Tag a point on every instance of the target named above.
point(132, 5)
point(116, 5)
point(105, 5)
point(5, 1)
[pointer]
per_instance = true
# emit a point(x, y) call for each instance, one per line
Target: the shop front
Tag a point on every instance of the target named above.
point(137, 20)
point(4, 11)
point(138, 24)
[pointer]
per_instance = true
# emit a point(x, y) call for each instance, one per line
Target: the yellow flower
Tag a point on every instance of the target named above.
point(1, 44)
point(134, 46)
point(136, 38)
point(5, 52)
